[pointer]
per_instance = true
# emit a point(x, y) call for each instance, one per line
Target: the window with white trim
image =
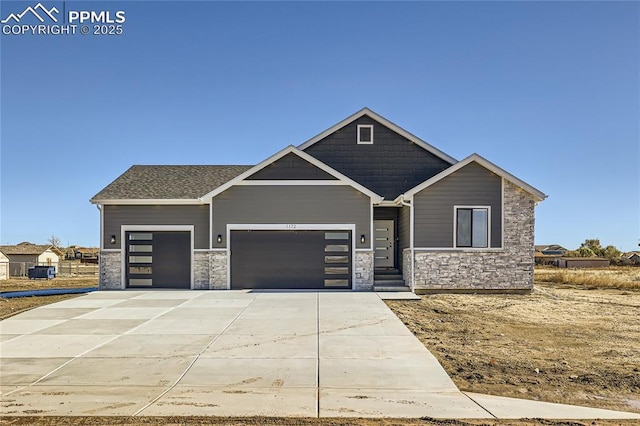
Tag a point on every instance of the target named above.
point(472, 227)
point(365, 134)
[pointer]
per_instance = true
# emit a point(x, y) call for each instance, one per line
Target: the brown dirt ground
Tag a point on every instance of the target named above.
point(565, 345)
point(585, 345)
point(10, 307)
point(272, 421)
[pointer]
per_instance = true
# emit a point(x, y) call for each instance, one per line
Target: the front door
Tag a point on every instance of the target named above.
point(383, 243)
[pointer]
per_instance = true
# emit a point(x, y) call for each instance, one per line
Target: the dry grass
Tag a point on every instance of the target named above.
point(622, 277)
point(20, 284)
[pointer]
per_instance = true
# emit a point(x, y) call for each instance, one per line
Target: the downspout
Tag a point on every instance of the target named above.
point(99, 207)
point(406, 204)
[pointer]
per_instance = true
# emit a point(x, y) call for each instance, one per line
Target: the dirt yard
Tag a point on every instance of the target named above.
point(10, 307)
point(573, 344)
point(567, 345)
point(280, 421)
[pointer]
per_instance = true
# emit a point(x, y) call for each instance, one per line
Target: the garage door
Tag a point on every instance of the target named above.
point(158, 259)
point(291, 259)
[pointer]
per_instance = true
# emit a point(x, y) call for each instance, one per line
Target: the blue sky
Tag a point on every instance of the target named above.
point(549, 91)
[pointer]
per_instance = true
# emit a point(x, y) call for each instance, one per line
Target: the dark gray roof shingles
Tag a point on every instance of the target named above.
point(168, 182)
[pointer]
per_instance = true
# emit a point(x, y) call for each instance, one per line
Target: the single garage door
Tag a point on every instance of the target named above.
point(158, 259)
point(265, 259)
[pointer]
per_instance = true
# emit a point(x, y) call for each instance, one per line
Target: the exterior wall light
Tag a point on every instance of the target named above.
point(219, 239)
point(362, 239)
point(113, 239)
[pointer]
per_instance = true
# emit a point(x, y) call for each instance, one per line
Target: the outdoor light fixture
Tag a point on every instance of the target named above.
point(219, 238)
point(113, 239)
point(362, 238)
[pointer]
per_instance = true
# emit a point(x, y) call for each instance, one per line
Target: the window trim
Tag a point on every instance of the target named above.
point(455, 227)
point(362, 126)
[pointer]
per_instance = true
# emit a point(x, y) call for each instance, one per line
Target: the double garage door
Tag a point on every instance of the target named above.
point(269, 259)
point(260, 259)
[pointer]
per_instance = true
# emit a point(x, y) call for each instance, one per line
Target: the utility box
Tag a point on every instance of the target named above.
point(47, 272)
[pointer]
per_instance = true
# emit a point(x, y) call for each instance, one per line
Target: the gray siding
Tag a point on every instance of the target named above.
point(389, 167)
point(473, 185)
point(338, 204)
point(404, 222)
point(291, 167)
point(404, 233)
point(115, 216)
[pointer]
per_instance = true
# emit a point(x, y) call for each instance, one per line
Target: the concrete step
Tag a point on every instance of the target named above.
point(392, 287)
point(376, 281)
point(386, 271)
point(394, 277)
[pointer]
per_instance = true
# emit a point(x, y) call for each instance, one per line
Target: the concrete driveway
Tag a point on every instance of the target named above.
point(234, 353)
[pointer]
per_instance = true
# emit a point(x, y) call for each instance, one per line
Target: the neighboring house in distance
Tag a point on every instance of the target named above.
point(24, 255)
point(633, 256)
point(548, 254)
point(362, 203)
point(583, 262)
point(4, 266)
point(551, 250)
point(86, 254)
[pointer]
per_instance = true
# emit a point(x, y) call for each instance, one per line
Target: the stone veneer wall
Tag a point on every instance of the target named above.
point(218, 270)
point(406, 266)
point(509, 268)
point(364, 270)
point(201, 270)
point(110, 270)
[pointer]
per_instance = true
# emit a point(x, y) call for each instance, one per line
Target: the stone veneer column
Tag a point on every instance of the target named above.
point(218, 270)
point(201, 270)
point(110, 270)
point(406, 266)
point(509, 268)
point(364, 270)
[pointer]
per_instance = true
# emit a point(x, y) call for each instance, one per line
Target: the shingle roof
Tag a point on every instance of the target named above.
point(168, 182)
point(24, 248)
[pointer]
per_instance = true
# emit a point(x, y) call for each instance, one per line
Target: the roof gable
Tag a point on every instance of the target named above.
point(389, 166)
point(291, 167)
point(380, 119)
point(475, 158)
point(337, 176)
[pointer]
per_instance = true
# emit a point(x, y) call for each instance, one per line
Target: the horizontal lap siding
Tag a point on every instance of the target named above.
point(472, 185)
point(291, 204)
point(291, 167)
point(115, 216)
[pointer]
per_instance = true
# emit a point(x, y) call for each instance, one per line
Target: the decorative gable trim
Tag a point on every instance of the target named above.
point(239, 180)
point(399, 130)
point(537, 194)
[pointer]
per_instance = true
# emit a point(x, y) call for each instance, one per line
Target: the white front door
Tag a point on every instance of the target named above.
point(383, 243)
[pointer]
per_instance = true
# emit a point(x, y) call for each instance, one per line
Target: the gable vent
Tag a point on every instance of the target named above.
point(365, 134)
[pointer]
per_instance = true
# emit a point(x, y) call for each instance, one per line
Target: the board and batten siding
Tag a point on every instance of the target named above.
point(292, 204)
point(472, 185)
point(116, 216)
